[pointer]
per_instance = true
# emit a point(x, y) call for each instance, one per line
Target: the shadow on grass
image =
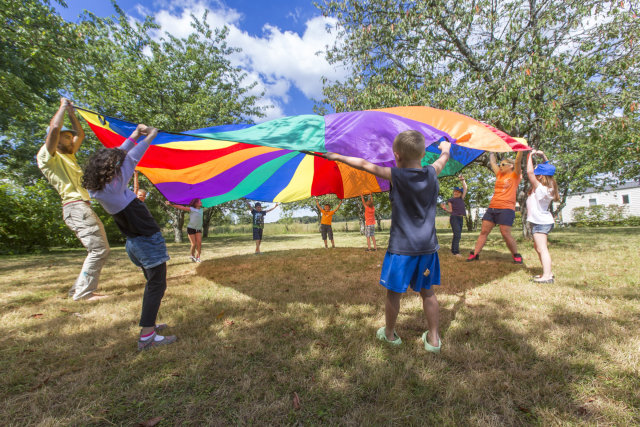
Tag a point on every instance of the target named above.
point(303, 275)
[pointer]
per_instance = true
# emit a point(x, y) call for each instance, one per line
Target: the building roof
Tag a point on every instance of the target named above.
point(625, 186)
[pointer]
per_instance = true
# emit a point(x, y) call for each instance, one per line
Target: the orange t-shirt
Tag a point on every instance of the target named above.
point(369, 215)
point(327, 216)
point(504, 193)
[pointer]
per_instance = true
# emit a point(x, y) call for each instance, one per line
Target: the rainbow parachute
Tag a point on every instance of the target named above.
point(276, 161)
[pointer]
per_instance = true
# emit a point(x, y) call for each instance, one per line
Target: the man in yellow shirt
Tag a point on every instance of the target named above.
point(57, 161)
point(325, 222)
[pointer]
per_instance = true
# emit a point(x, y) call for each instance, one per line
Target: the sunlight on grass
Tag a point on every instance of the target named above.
point(255, 329)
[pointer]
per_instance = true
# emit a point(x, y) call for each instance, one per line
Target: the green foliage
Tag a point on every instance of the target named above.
point(35, 44)
point(601, 215)
point(31, 219)
point(563, 74)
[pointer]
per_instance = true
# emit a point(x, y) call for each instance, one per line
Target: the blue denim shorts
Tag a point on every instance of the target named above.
point(541, 228)
point(147, 251)
point(401, 271)
point(500, 216)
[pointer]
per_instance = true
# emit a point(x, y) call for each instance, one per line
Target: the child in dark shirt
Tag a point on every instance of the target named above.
point(455, 207)
point(412, 255)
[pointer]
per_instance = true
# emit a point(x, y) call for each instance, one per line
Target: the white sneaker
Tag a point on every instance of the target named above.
point(193, 259)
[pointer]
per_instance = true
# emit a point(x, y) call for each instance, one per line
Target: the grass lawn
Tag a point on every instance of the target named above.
point(288, 337)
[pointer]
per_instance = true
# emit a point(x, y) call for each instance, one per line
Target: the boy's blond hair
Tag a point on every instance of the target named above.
point(409, 145)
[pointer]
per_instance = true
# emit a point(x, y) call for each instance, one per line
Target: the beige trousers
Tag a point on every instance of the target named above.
point(81, 219)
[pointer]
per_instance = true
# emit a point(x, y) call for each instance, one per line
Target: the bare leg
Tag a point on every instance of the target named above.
point(258, 246)
point(198, 237)
point(432, 313)
point(192, 240)
point(540, 243)
point(487, 226)
point(508, 238)
point(374, 243)
point(391, 310)
point(333, 245)
point(325, 243)
point(368, 242)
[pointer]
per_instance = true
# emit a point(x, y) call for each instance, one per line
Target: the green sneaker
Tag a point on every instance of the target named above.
point(428, 346)
point(383, 337)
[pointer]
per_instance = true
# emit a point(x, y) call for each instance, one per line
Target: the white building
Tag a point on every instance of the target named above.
point(626, 195)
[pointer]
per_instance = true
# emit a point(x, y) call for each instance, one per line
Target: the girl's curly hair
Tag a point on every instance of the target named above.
point(193, 202)
point(102, 167)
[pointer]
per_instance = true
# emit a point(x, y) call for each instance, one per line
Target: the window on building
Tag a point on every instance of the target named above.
point(625, 199)
point(593, 202)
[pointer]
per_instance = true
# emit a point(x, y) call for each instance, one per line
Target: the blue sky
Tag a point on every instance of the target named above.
point(280, 40)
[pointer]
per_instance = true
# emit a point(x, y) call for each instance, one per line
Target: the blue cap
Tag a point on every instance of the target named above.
point(458, 189)
point(64, 129)
point(545, 168)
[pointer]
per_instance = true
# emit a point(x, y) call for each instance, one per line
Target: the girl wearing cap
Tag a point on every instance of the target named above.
point(543, 191)
point(456, 209)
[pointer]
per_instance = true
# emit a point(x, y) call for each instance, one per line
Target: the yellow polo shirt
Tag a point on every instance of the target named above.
point(64, 173)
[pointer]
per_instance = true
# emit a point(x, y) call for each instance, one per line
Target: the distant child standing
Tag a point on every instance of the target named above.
point(369, 222)
point(106, 176)
point(194, 228)
point(325, 222)
point(544, 190)
point(457, 211)
point(412, 256)
point(258, 221)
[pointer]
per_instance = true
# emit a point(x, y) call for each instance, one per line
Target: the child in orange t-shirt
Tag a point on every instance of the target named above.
point(325, 222)
point(369, 222)
point(502, 208)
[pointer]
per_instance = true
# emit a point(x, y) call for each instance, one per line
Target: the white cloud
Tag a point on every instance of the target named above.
point(276, 60)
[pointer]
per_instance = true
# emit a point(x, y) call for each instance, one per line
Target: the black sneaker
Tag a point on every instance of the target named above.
point(473, 257)
point(517, 258)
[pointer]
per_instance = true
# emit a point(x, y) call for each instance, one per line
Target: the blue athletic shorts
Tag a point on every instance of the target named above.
point(401, 271)
point(500, 216)
point(147, 251)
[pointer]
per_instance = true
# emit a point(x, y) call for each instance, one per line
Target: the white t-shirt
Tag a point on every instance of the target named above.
point(538, 206)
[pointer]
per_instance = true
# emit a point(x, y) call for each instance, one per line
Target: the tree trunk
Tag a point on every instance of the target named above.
point(207, 214)
point(379, 221)
point(361, 218)
point(522, 201)
point(177, 221)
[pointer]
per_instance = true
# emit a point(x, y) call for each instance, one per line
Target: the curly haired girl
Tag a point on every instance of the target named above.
point(107, 176)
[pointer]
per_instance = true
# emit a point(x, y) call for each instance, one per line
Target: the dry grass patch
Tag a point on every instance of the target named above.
point(255, 331)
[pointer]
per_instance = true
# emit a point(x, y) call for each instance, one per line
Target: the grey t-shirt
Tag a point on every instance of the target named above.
point(195, 218)
point(414, 196)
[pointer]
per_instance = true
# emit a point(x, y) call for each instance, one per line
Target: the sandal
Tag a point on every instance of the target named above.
point(383, 337)
point(428, 346)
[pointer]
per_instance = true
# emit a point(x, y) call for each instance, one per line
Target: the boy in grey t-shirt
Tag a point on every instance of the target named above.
point(412, 256)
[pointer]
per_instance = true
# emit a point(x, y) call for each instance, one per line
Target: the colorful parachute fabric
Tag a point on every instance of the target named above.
point(268, 162)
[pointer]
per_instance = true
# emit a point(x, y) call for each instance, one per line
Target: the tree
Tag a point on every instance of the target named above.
point(553, 72)
point(171, 83)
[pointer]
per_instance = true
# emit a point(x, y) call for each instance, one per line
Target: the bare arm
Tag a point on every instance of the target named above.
point(530, 174)
point(275, 206)
point(447, 208)
point(440, 163)
point(518, 167)
point(75, 124)
point(318, 204)
point(464, 187)
point(182, 208)
point(361, 164)
point(53, 137)
point(129, 143)
point(494, 164)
